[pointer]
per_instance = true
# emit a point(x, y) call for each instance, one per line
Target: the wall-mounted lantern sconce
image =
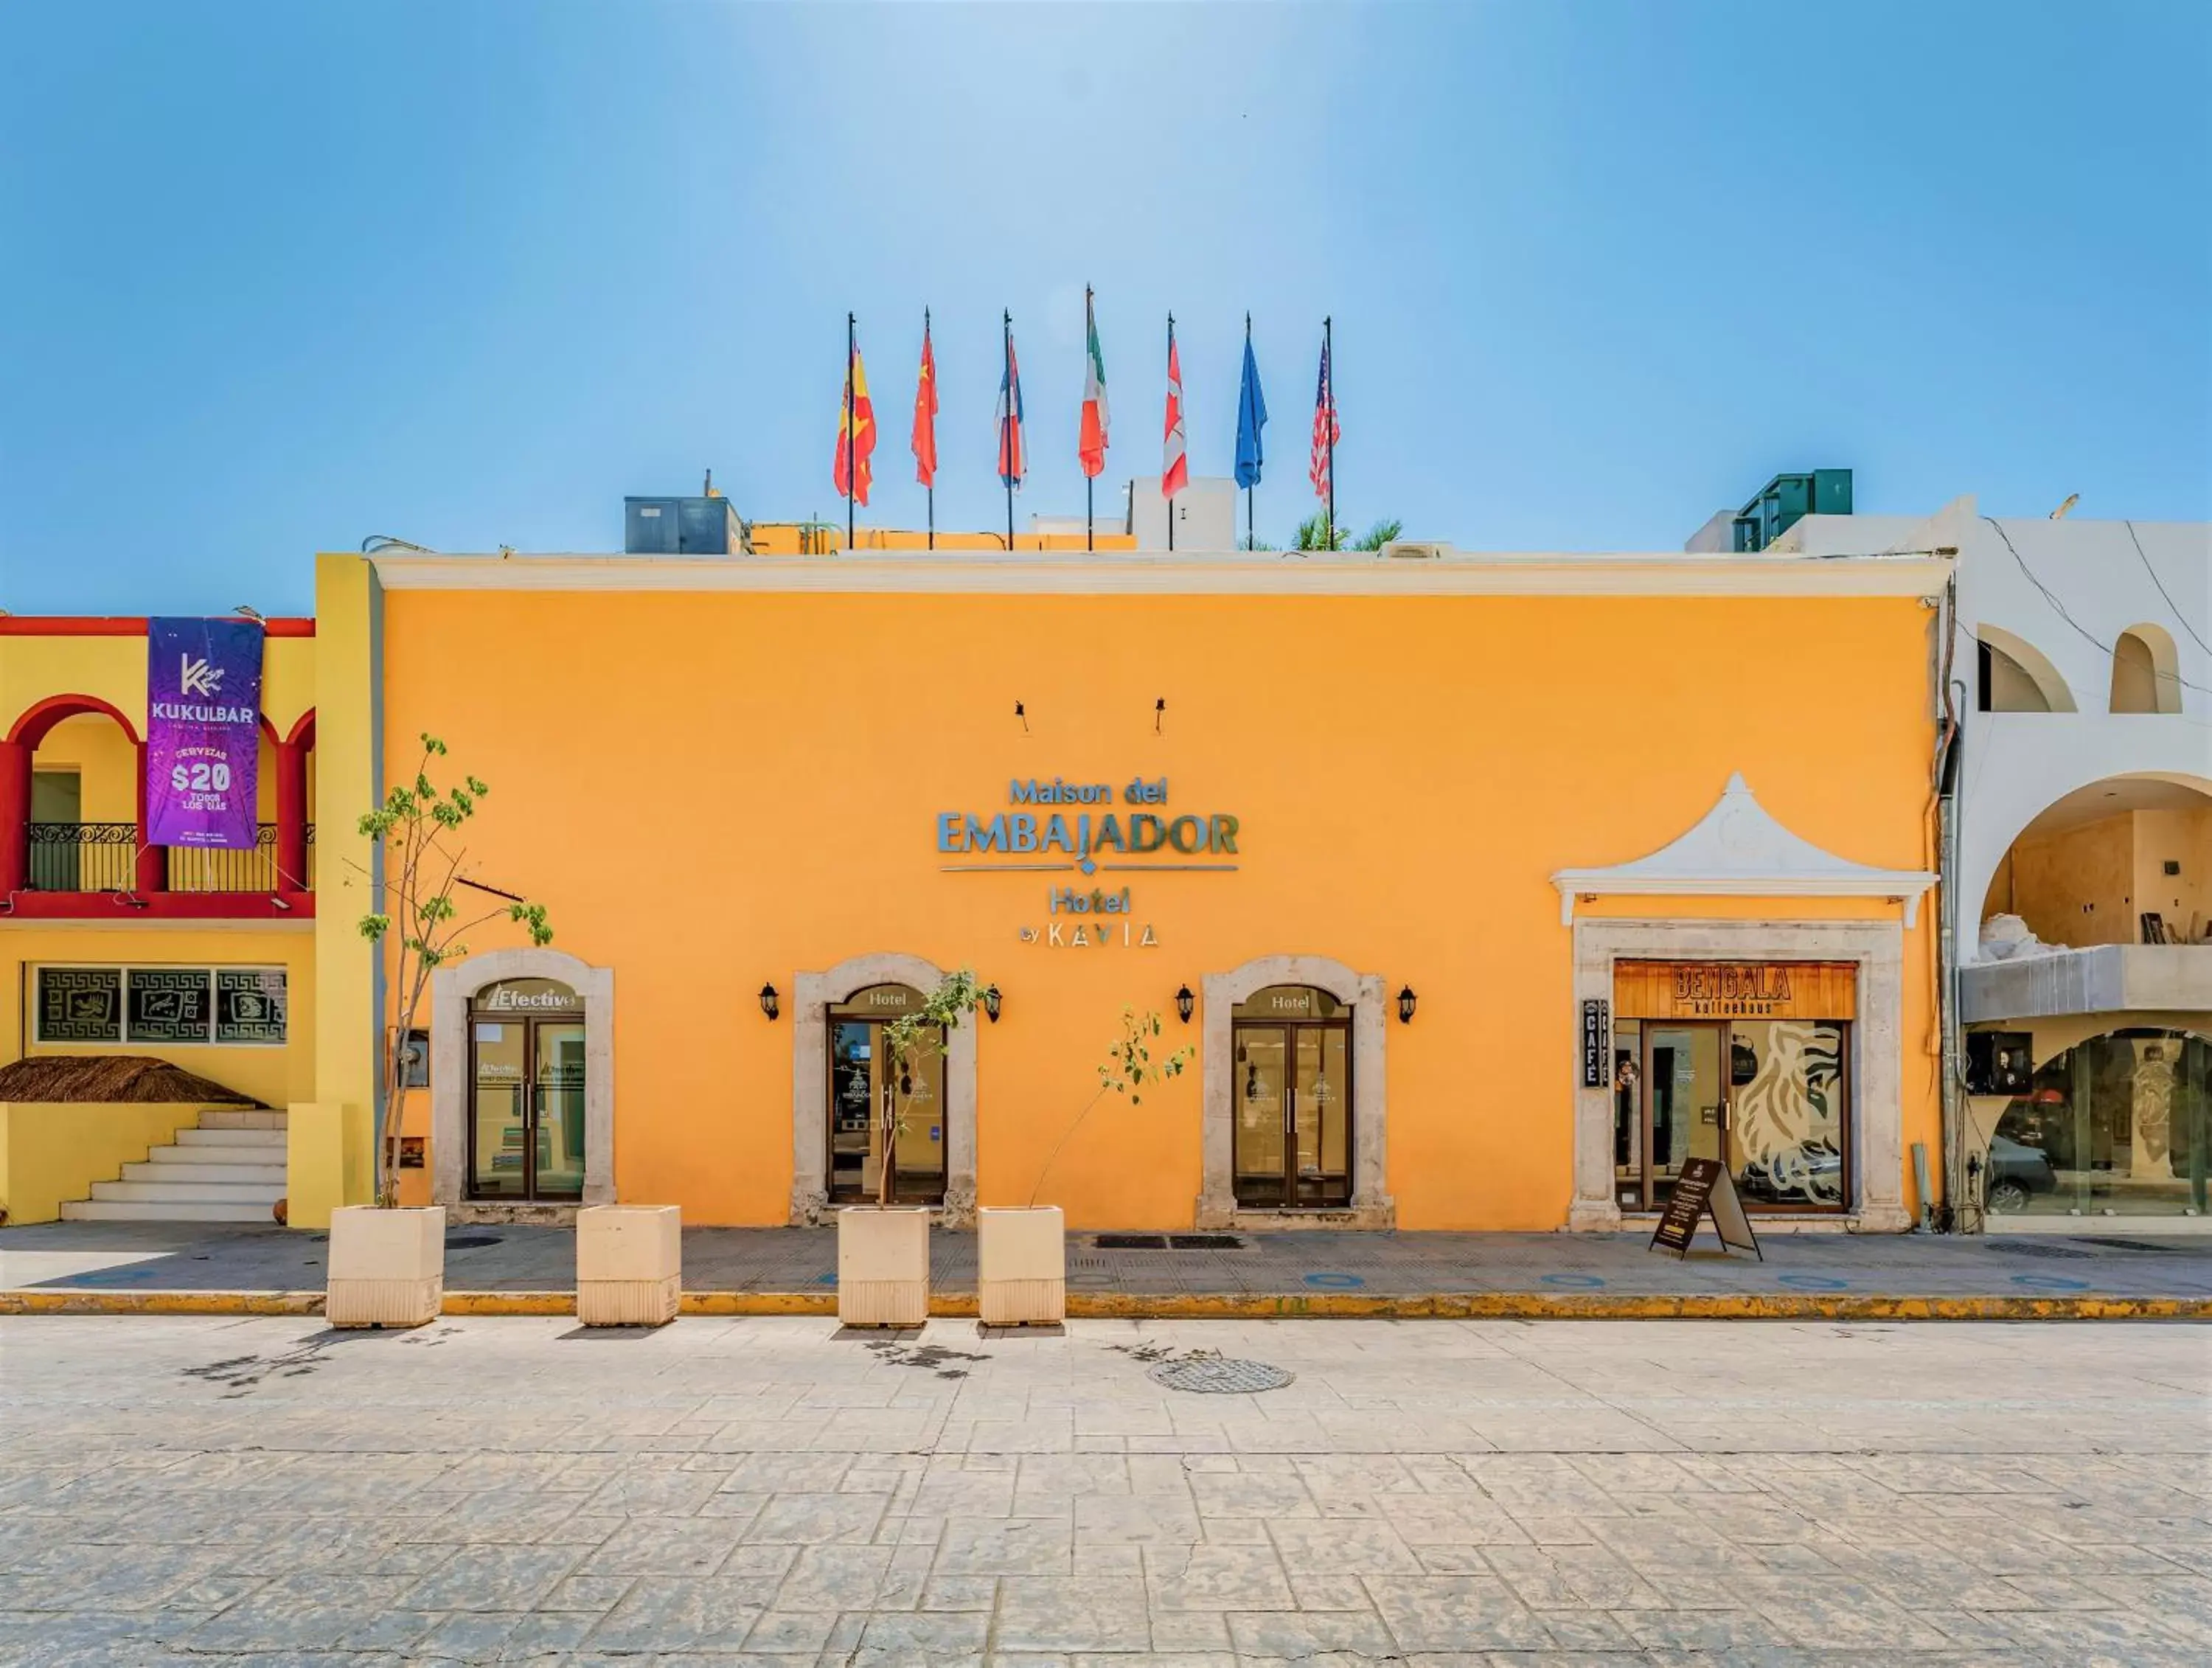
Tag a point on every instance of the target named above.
point(1406, 1001)
point(768, 1001)
point(1184, 1002)
point(991, 1003)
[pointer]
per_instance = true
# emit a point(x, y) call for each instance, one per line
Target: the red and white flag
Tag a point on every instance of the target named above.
point(1326, 430)
point(1175, 466)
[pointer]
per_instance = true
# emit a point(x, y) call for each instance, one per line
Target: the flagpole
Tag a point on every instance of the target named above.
point(851, 347)
point(1328, 357)
point(1171, 501)
point(1251, 537)
point(1006, 427)
point(1088, 324)
point(931, 488)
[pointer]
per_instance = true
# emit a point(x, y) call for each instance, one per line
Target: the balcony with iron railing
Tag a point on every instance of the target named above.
point(82, 858)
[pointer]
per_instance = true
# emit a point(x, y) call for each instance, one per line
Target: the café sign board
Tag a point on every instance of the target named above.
point(1736, 990)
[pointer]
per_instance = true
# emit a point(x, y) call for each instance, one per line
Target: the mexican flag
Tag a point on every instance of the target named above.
point(1092, 447)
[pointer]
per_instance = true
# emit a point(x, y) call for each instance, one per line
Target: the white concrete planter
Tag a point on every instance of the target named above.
point(883, 1265)
point(1022, 1265)
point(386, 1268)
point(629, 1265)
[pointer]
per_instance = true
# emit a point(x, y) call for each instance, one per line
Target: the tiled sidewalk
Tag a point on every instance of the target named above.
point(155, 1257)
point(742, 1494)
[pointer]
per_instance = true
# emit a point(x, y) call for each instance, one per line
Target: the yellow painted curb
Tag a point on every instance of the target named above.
point(1215, 1305)
point(65, 1301)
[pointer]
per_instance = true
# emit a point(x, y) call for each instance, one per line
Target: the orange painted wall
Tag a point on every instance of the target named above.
point(710, 791)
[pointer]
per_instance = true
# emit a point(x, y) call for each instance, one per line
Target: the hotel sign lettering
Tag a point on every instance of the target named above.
point(1088, 828)
point(1735, 990)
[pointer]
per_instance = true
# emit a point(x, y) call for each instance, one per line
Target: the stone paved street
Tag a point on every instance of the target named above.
point(773, 1491)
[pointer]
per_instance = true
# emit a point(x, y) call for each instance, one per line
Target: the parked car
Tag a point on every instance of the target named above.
point(1812, 1175)
point(2014, 1172)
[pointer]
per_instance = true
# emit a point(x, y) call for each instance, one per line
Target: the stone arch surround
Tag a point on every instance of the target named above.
point(812, 994)
point(1372, 1206)
point(450, 990)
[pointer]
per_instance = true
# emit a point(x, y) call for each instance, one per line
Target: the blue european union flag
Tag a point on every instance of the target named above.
point(1251, 418)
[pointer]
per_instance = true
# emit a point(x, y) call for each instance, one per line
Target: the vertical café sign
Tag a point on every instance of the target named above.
point(203, 732)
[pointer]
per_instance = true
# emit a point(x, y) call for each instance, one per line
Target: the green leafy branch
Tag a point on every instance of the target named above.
point(417, 828)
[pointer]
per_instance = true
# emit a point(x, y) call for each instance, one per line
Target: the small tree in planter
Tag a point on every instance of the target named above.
point(417, 826)
point(956, 996)
point(1021, 1255)
point(1128, 1070)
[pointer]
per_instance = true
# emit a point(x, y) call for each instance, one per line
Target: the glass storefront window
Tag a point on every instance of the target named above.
point(1786, 1111)
point(2118, 1123)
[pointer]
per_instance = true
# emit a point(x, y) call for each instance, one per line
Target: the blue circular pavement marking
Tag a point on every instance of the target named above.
point(2051, 1283)
point(1580, 1281)
point(1814, 1282)
point(1335, 1282)
point(830, 1279)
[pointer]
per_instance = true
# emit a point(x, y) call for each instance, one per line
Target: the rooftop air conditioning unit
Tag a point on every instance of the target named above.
point(1416, 550)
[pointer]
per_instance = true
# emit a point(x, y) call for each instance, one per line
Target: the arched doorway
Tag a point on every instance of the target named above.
point(1301, 1118)
point(873, 1095)
point(522, 1081)
point(844, 1002)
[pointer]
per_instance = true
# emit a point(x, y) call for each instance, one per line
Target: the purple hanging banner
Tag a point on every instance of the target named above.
point(203, 732)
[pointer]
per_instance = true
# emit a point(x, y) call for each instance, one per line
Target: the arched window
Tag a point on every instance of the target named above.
point(2012, 675)
point(2145, 675)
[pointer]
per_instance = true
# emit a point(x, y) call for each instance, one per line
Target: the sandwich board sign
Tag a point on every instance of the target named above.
point(1704, 1187)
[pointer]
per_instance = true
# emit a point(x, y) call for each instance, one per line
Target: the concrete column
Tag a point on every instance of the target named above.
point(152, 860)
point(15, 816)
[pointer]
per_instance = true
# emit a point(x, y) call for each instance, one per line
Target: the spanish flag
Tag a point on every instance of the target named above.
point(850, 472)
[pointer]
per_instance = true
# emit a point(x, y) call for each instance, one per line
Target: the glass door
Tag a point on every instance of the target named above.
point(865, 1091)
point(499, 1109)
point(527, 1111)
point(556, 1108)
point(1686, 1101)
point(1292, 1135)
point(1262, 1054)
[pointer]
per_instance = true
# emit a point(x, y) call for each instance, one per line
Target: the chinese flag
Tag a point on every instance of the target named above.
point(856, 435)
point(925, 415)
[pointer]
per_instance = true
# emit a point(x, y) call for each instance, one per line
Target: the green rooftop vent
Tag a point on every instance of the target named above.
point(1786, 498)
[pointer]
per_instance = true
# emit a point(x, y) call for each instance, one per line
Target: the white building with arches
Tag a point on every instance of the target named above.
point(2081, 668)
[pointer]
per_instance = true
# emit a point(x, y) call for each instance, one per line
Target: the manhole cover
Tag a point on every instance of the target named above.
point(1216, 1375)
point(470, 1241)
point(1131, 1241)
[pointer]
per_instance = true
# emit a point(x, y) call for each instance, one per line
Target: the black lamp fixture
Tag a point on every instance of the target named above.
point(1406, 1001)
point(768, 1001)
point(991, 1003)
point(1184, 1003)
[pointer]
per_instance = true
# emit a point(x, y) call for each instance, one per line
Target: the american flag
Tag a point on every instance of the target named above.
point(1326, 429)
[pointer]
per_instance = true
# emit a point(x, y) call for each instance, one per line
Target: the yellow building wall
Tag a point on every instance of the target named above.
point(113, 669)
point(713, 791)
point(53, 1152)
point(270, 1074)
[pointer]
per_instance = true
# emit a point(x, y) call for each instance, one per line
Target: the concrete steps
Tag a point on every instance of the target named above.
point(230, 1168)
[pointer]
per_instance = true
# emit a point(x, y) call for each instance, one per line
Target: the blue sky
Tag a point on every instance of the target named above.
point(273, 279)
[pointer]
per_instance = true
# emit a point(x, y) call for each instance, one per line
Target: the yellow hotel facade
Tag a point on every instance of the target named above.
point(1484, 890)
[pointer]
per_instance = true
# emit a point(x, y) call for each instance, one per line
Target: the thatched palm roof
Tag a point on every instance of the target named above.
point(111, 1077)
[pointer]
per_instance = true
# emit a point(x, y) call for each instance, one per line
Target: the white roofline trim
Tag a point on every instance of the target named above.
point(1265, 573)
point(1737, 850)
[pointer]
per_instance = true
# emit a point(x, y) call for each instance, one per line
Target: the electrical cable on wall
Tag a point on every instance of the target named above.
point(2144, 555)
point(2059, 608)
